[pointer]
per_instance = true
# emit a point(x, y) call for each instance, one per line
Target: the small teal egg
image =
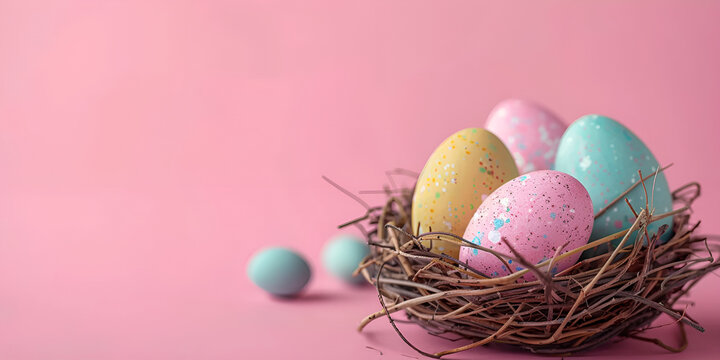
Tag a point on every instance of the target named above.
point(605, 157)
point(343, 254)
point(279, 271)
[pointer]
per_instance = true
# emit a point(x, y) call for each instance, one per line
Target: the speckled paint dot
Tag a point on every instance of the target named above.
point(498, 223)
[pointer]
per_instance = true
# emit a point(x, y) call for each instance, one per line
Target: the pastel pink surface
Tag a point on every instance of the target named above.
point(536, 214)
point(530, 131)
point(148, 148)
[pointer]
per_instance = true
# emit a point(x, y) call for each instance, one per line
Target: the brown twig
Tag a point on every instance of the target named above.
point(626, 192)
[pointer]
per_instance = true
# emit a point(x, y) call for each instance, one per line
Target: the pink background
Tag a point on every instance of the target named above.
point(148, 148)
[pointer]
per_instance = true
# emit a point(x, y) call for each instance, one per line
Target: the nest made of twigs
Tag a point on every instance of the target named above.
point(618, 293)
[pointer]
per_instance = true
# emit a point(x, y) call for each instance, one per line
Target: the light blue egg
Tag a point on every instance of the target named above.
point(279, 271)
point(605, 157)
point(343, 254)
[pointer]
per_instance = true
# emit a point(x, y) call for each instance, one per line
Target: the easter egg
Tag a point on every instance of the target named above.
point(459, 174)
point(279, 271)
point(605, 157)
point(343, 254)
point(536, 213)
point(531, 133)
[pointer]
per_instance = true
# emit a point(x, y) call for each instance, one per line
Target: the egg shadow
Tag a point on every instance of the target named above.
point(310, 297)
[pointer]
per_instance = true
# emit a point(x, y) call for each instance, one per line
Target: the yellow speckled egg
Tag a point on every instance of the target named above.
point(459, 175)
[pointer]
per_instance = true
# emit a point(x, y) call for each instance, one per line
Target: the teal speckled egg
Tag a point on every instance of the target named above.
point(279, 271)
point(343, 254)
point(605, 157)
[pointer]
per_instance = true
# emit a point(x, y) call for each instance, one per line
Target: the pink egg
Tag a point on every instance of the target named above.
point(536, 214)
point(531, 133)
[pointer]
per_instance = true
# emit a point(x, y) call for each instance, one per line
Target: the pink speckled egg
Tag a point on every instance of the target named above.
point(535, 213)
point(531, 133)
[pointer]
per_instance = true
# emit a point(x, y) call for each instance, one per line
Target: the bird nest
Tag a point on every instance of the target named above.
point(618, 293)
